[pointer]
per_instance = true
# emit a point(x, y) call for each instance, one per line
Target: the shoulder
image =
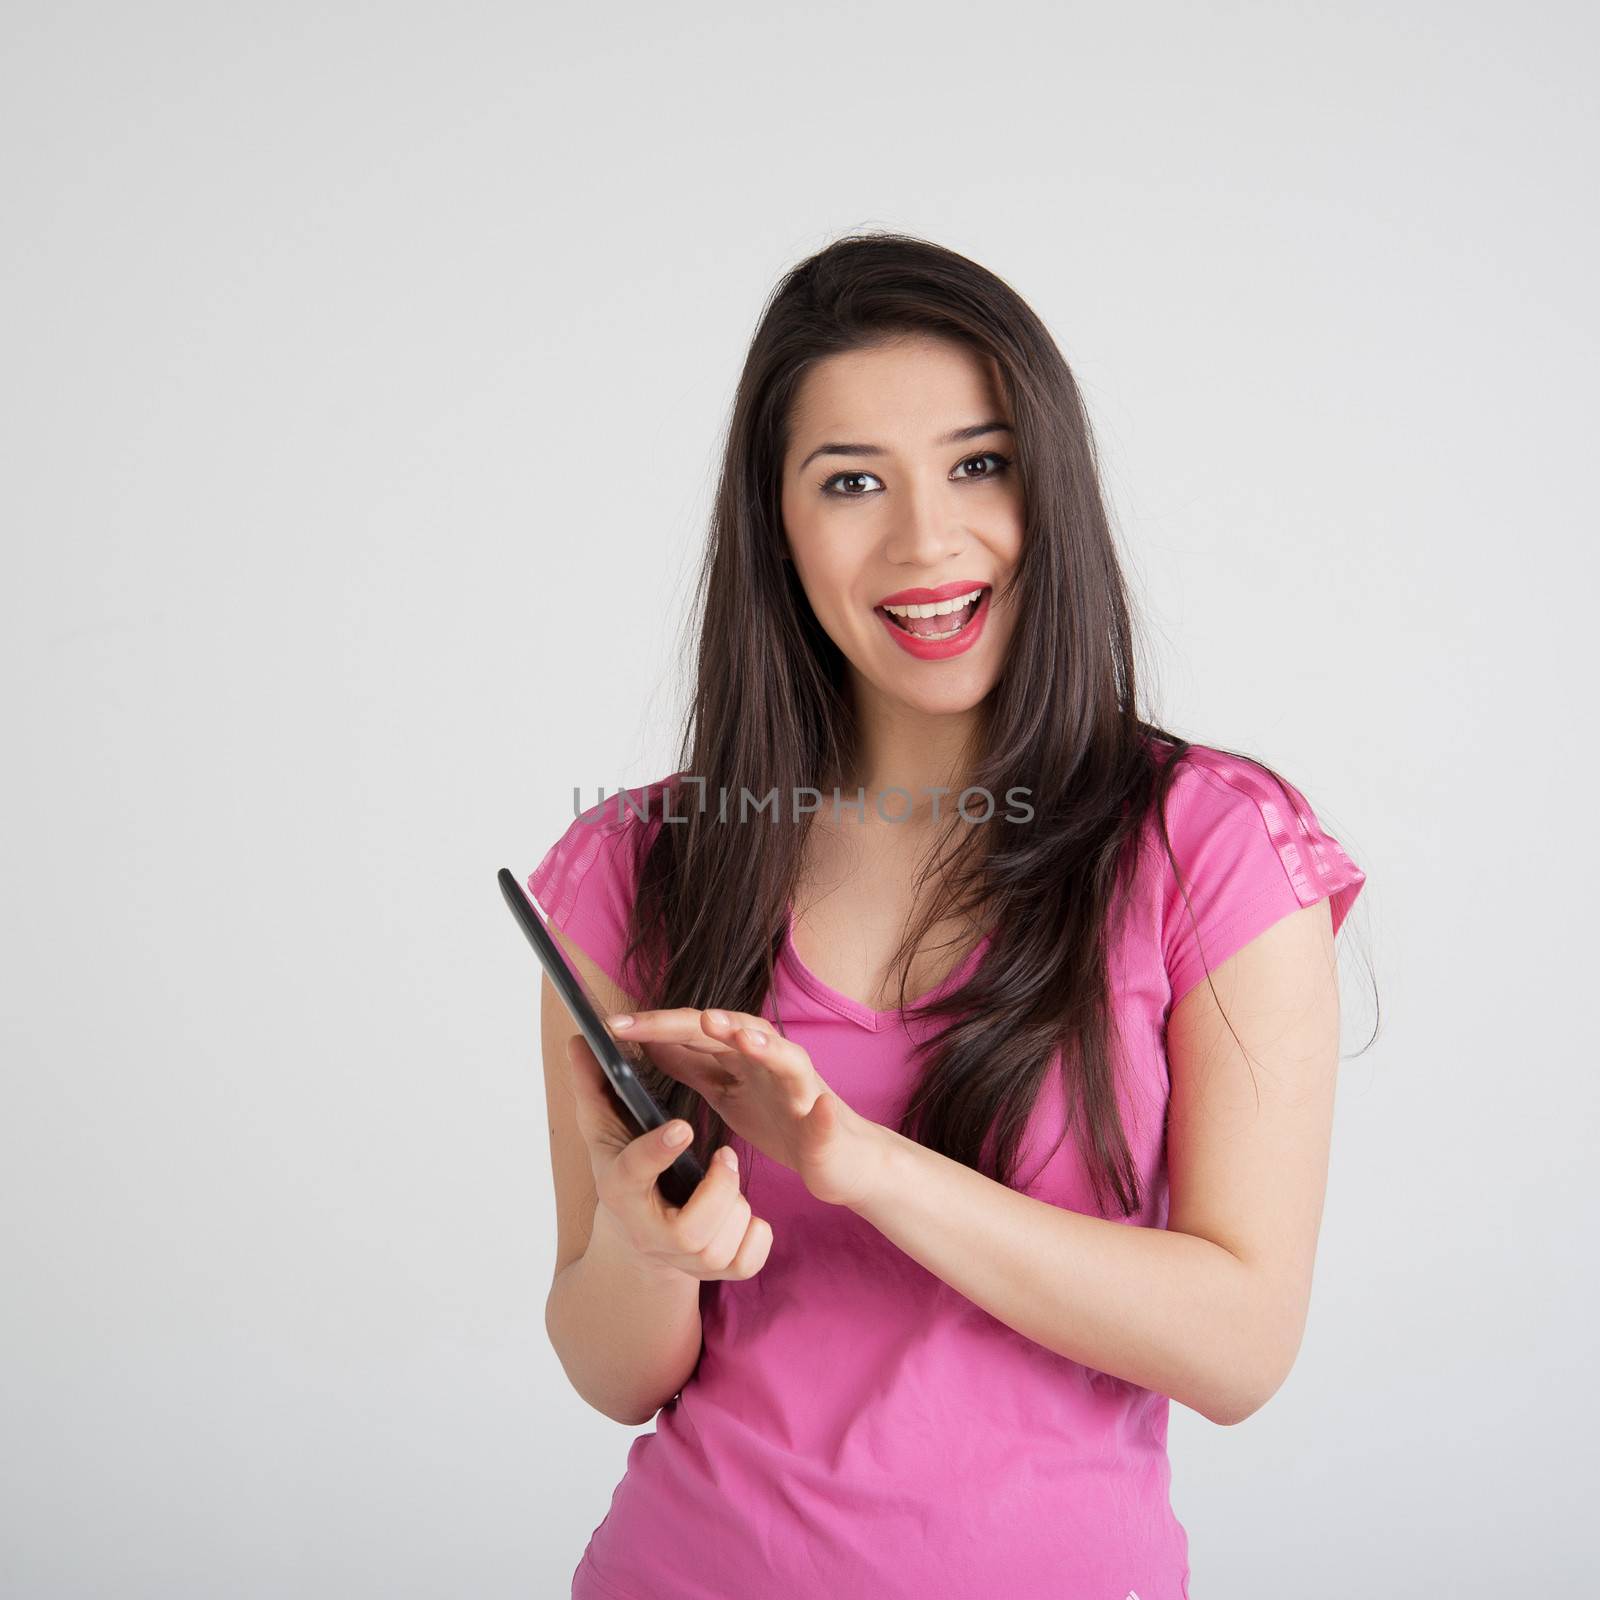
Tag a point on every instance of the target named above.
point(1210, 782)
point(1216, 791)
point(587, 878)
point(1247, 847)
point(607, 836)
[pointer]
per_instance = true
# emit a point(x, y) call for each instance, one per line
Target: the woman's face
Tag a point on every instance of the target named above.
point(879, 499)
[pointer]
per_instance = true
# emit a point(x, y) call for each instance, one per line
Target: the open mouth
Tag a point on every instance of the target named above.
point(936, 622)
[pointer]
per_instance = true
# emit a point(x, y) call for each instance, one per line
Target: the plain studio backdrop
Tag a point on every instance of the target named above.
point(365, 373)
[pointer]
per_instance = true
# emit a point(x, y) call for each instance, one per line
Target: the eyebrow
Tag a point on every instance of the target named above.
point(976, 431)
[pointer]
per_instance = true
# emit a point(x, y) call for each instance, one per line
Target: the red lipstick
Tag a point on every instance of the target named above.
point(929, 597)
point(936, 649)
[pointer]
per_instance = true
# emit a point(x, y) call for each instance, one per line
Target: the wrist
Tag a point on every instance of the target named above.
point(882, 1165)
point(609, 1247)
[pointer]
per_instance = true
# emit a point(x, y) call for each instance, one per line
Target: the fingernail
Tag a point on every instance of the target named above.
point(757, 1039)
point(726, 1156)
point(676, 1133)
point(720, 1018)
point(622, 1020)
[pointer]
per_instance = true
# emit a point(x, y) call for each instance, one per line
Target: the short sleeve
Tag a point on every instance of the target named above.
point(587, 880)
point(1250, 854)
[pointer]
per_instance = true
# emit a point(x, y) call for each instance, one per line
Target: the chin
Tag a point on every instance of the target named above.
point(947, 695)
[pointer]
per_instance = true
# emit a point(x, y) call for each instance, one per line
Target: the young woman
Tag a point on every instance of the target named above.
point(917, 1333)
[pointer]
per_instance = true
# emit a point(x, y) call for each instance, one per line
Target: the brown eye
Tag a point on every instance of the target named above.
point(845, 476)
point(1002, 464)
point(989, 455)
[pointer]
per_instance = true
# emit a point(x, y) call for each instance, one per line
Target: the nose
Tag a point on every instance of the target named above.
point(925, 529)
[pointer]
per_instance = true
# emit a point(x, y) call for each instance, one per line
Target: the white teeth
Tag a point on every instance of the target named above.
point(941, 609)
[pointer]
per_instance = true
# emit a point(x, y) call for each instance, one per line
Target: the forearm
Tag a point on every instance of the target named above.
point(628, 1335)
point(1168, 1311)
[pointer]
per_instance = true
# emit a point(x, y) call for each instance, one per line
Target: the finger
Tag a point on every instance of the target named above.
point(705, 1213)
point(720, 1023)
point(719, 1254)
point(694, 1067)
point(754, 1248)
point(591, 1089)
point(755, 1039)
point(680, 1027)
point(721, 1036)
point(597, 1099)
point(644, 1159)
point(756, 1042)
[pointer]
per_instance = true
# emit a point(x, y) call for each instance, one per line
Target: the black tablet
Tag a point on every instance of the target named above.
point(617, 1057)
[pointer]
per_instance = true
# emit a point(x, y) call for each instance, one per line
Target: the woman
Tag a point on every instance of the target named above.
point(918, 1335)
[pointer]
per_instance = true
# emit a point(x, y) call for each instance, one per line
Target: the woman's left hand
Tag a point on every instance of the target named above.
point(766, 1089)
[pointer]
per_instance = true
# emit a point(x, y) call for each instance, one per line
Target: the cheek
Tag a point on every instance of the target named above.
point(826, 565)
point(799, 530)
point(1008, 540)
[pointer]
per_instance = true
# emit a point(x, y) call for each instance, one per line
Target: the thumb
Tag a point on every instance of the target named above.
point(648, 1155)
point(822, 1121)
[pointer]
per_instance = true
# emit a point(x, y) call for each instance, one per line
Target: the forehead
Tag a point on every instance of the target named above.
point(907, 391)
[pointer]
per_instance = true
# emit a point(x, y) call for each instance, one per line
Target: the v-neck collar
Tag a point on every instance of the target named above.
point(853, 1010)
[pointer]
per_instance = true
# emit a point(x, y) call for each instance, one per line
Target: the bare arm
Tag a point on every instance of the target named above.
point(1211, 1309)
point(628, 1336)
point(626, 1329)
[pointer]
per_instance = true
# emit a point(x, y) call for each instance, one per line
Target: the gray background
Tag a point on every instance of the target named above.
point(365, 372)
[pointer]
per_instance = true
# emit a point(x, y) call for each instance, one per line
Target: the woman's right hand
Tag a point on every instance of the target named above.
point(712, 1235)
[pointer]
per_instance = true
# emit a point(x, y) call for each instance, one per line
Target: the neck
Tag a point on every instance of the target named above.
point(899, 747)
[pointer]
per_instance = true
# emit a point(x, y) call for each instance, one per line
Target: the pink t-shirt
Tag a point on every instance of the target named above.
point(856, 1428)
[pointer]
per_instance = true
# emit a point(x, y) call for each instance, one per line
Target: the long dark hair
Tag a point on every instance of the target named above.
point(771, 709)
